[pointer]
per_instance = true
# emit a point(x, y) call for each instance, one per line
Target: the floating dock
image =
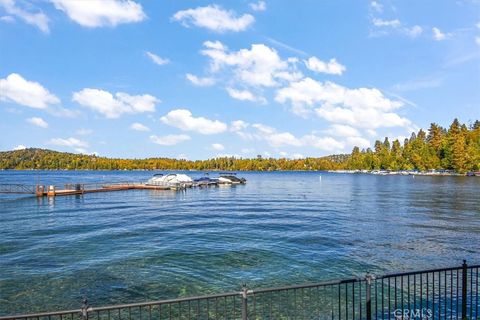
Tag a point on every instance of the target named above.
point(81, 188)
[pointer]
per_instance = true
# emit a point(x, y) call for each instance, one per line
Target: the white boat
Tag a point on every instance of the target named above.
point(231, 179)
point(170, 180)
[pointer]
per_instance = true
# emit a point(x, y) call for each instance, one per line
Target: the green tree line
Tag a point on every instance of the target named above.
point(456, 148)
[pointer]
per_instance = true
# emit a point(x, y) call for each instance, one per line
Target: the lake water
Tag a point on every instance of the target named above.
point(279, 228)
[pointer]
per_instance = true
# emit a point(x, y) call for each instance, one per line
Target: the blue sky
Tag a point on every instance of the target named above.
point(199, 79)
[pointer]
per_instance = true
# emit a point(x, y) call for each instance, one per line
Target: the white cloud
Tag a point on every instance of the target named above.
point(68, 142)
point(39, 122)
point(260, 66)
point(477, 40)
point(113, 106)
point(139, 127)
point(375, 5)
point(258, 6)
point(169, 140)
point(363, 107)
point(27, 93)
point(214, 18)
point(439, 35)
point(386, 23)
point(274, 138)
point(99, 13)
point(19, 147)
point(39, 19)
point(341, 130)
point(414, 31)
point(323, 143)
point(331, 67)
point(360, 142)
point(218, 146)
point(238, 125)
point(183, 119)
point(201, 82)
point(245, 95)
point(156, 59)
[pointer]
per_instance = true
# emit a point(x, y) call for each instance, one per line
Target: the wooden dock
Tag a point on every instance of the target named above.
point(41, 190)
point(79, 189)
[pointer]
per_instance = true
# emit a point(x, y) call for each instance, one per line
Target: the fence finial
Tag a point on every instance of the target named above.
point(369, 277)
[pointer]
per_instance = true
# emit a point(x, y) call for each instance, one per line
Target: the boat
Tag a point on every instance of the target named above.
point(170, 180)
point(231, 179)
point(205, 182)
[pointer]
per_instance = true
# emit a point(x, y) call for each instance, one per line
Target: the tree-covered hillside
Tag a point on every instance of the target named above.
point(456, 148)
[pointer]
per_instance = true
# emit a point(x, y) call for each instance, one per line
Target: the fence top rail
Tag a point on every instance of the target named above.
point(161, 302)
point(41, 314)
point(305, 286)
point(410, 273)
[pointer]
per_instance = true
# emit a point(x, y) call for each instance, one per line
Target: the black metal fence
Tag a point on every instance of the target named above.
point(448, 293)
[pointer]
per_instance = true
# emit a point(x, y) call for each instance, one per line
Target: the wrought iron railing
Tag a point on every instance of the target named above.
point(447, 293)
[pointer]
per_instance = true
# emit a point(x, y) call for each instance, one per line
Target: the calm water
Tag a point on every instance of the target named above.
point(280, 228)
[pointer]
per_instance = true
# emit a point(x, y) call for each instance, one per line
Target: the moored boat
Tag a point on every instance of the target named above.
point(231, 179)
point(170, 180)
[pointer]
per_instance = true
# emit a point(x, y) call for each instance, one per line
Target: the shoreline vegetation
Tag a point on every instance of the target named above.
point(440, 151)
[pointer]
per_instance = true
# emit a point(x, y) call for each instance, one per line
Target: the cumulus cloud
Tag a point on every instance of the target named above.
point(100, 13)
point(363, 107)
point(218, 146)
point(214, 18)
point(200, 82)
point(39, 122)
point(279, 139)
point(27, 93)
point(169, 140)
point(238, 125)
point(414, 31)
point(19, 147)
point(112, 106)
point(439, 35)
point(259, 66)
point(157, 59)
point(68, 142)
point(38, 19)
point(184, 120)
point(258, 6)
point(276, 139)
point(245, 95)
point(139, 127)
point(341, 130)
point(331, 67)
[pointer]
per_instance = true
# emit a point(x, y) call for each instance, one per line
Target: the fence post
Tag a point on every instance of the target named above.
point(244, 302)
point(368, 299)
point(464, 290)
point(85, 309)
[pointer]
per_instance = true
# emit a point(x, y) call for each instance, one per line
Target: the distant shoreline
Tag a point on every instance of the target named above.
point(434, 173)
point(431, 173)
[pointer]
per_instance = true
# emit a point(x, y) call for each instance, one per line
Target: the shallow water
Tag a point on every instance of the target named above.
point(280, 228)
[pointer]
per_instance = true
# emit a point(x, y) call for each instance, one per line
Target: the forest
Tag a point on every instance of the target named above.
point(456, 148)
